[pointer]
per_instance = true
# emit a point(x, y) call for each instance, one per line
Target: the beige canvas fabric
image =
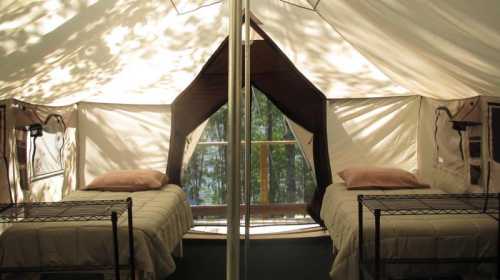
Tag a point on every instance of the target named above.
point(442, 49)
point(122, 137)
point(59, 53)
point(439, 157)
point(376, 132)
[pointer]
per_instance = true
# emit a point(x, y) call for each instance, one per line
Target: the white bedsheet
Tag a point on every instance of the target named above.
point(160, 218)
point(404, 236)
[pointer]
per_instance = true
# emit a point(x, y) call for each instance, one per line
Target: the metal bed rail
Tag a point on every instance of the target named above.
point(93, 210)
point(422, 204)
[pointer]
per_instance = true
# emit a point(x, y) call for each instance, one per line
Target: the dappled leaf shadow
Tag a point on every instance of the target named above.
point(321, 54)
point(121, 137)
point(439, 49)
point(67, 51)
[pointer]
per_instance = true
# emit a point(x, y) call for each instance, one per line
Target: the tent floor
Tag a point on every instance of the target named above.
point(287, 258)
point(282, 258)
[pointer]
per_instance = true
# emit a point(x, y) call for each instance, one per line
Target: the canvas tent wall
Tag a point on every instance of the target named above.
point(458, 152)
point(373, 131)
point(39, 164)
point(78, 142)
point(120, 137)
point(417, 134)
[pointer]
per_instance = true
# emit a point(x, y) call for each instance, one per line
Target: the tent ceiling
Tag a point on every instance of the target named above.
point(137, 52)
point(147, 52)
point(188, 6)
point(444, 49)
point(321, 54)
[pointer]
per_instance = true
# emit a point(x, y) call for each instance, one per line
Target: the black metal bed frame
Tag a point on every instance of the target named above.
point(65, 211)
point(423, 204)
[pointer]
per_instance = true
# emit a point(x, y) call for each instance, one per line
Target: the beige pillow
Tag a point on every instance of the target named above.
point(129, 181)
point(379, 178)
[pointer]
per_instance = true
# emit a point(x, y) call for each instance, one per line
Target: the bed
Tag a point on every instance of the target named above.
point(409, 236)
point(161, 217)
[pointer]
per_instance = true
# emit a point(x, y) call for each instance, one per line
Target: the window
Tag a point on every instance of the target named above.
point(281, 179)
point(40, 150)
point(46, 151)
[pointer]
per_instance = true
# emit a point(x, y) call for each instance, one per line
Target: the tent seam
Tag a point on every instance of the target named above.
point(298, 6)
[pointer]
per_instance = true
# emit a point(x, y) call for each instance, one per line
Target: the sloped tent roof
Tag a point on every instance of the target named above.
point(148, 52)
point(110, 51)
point(442, 49)
point(274, 75)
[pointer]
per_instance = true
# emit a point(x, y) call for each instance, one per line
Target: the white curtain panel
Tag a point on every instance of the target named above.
point(191, 142)
point(119, 137)
point(305, 139)
point(375, 132)
point(440, 158)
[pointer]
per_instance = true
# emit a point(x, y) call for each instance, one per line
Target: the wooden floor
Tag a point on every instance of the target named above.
point(290, 259)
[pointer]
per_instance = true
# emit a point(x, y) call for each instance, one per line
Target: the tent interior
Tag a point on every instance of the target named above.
point(91, 87)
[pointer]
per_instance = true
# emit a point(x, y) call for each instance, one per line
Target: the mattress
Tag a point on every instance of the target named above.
point(160, 218)
point(433, 236)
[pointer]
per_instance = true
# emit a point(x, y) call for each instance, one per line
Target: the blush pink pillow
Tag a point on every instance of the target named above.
point(379, 178)
point(129, 181)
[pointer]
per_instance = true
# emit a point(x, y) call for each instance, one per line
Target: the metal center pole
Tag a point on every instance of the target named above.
point(248, 135)
point(233, 158)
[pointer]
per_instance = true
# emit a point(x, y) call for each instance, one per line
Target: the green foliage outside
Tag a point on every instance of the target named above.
point(290, 177)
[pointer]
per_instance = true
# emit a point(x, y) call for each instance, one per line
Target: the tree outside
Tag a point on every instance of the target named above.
point(276, 158)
